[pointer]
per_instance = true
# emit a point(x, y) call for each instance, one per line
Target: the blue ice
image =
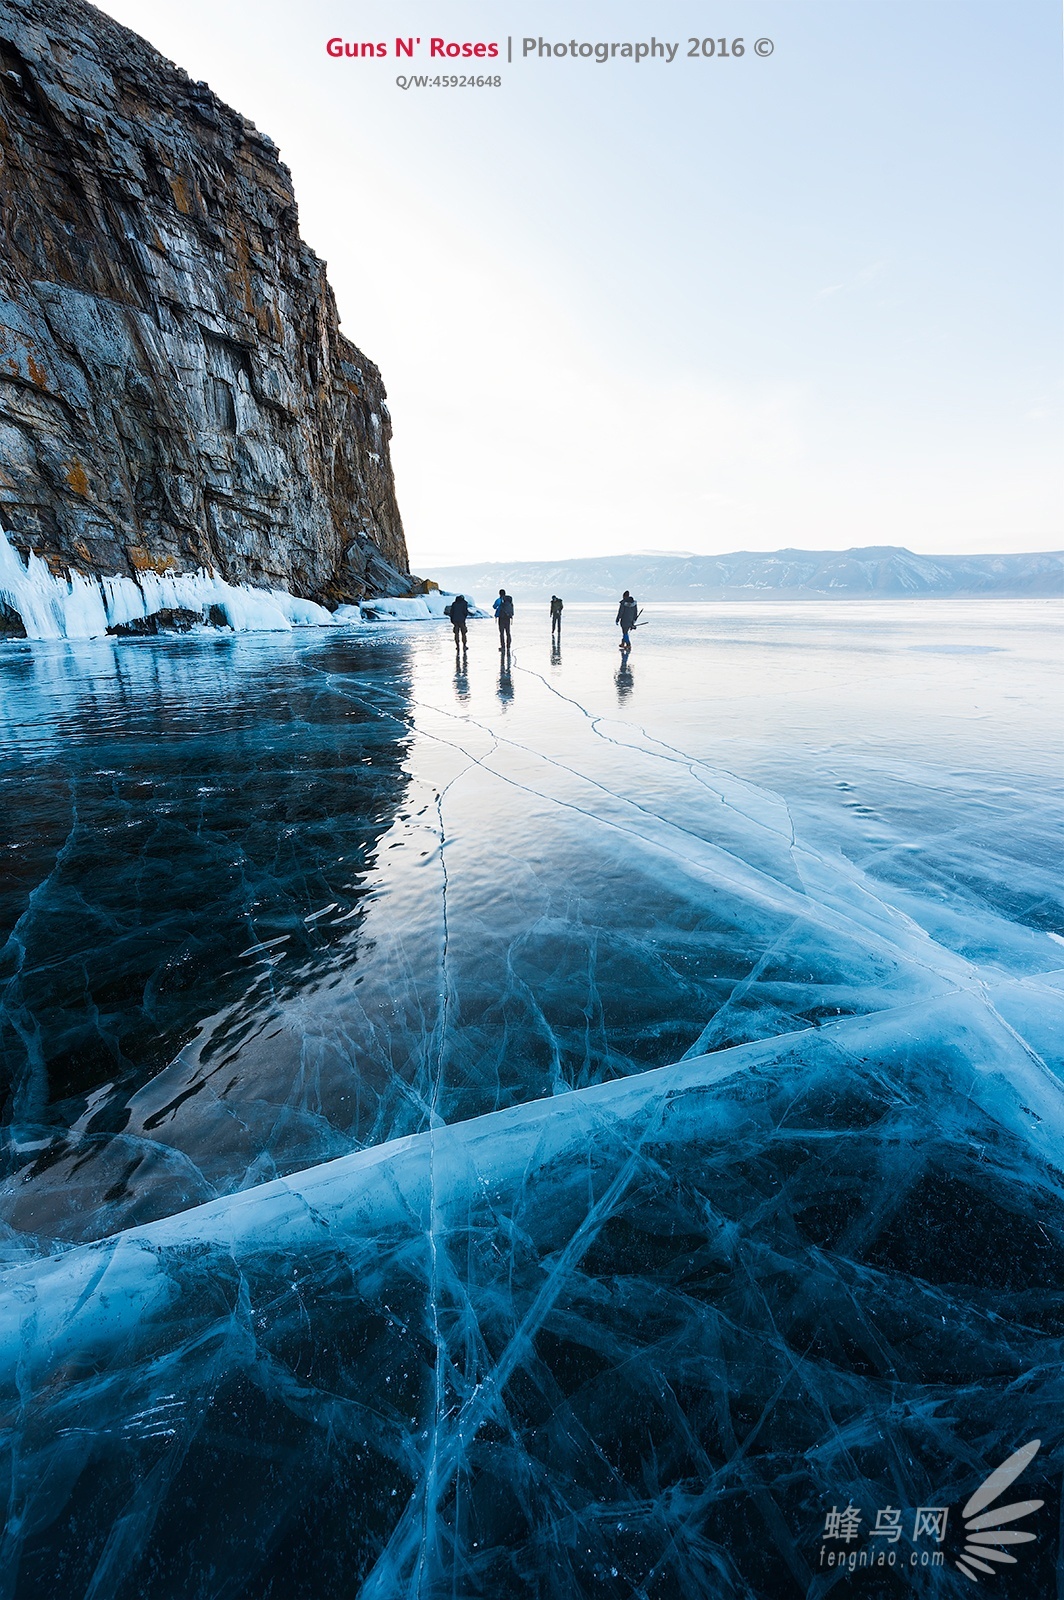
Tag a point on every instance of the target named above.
point(546, 1126)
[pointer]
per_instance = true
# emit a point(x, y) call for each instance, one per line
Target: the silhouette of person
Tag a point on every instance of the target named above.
point(556, 618)
point(458, 610)
point(504, 610)
point(627, 612)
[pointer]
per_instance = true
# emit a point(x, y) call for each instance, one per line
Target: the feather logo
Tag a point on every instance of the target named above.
point(985, 1532)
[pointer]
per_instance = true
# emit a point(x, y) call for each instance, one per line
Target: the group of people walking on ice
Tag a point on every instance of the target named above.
point(627, 619)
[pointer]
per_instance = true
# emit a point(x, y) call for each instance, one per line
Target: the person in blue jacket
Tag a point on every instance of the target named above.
point(627, 612)
point(504, 610)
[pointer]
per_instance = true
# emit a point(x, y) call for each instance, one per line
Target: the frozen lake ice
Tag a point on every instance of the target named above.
point(551, 1128)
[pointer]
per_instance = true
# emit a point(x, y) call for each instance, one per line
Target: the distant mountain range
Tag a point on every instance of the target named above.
point(876, 572)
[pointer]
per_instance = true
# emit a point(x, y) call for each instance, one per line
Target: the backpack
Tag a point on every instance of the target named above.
point(507, 608)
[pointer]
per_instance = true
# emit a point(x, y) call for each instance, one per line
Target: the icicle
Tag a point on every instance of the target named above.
point(84, 608)
point(124, 601)
point(49, 607)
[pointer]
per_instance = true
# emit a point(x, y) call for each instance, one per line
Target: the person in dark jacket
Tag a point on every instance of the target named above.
point(555, 618)
point(627, 612)
point(458, 611)
point(504, 610)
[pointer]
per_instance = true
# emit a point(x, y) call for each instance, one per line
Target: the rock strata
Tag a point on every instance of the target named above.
point(175, 392)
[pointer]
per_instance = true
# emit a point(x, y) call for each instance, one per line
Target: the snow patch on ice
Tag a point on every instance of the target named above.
point(415, 608)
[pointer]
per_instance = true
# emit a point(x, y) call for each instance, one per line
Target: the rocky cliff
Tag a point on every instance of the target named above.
point(175, 392)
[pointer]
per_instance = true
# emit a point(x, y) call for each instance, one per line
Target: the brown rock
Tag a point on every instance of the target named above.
point(175, 391)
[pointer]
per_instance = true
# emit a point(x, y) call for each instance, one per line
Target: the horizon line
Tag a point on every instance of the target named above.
point(692, 555)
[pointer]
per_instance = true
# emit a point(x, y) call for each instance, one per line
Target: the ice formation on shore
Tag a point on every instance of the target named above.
point(80, 607)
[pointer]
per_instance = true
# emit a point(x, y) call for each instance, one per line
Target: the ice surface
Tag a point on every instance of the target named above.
point(559, 1127)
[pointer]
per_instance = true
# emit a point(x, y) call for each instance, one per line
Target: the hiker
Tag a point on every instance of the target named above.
point(627, 612)
point(504, 610)
point(458, 611)
point(555, 618)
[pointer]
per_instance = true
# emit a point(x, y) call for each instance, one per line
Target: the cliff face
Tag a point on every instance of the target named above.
point(174, 388)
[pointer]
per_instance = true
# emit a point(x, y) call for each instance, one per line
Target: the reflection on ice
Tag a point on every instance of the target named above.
point(190, 831)
point(386, 967)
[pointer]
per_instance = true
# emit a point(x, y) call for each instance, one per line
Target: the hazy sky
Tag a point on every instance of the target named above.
point(806, 299)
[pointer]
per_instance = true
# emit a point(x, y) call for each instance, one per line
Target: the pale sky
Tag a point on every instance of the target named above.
point(808, 299)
